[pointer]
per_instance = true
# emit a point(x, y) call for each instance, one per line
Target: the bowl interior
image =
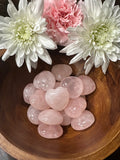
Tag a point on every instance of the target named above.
point(14, 125)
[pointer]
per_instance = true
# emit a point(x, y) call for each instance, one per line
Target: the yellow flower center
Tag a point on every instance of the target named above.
point(102, 34)
point(23, 32)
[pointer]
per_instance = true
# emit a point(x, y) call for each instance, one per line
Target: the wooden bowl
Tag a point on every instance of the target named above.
point(19, 137)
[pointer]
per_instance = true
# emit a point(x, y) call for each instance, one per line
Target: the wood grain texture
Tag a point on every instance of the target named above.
point(19, 137)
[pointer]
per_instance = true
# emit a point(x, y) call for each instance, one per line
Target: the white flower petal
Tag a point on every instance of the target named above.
point(34, 57)
point(4, 44)
point(93, 7)
point(4, 24)
point(13, 50)
point(109, 3)
point(34, 64)
point(98, 61)
point(115, 10)
point(88, 65)
point(19, 60)
point(37, 7)
point(40, 51)
point(105, 66)
point(77, 58)
point(46, 57)
point(6, 55)
point(118, 56)
point(21, 53)
point(22, 4)
point(33, 48)
point(11, 9)
point(71, 49)
point(47, 42)
point(112, 57)
point(4, 19)
point(28, 63)
point(27, 51)
point(73, 33)
point(40, 26)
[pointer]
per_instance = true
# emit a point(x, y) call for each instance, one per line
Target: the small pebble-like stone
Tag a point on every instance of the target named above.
point(44, 80)
point(28, 91)
point(76, 107)
point(83, 122)
point(61, 71)
point(37, 100)
point(74, 86)
point(88, 85)
point(32, 115)
point(57, 98)
point(50, 117)
point(66, 119)
point(50, 132)
point(57, 84)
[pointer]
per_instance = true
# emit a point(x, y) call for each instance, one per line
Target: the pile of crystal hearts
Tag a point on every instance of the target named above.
point(57, 99)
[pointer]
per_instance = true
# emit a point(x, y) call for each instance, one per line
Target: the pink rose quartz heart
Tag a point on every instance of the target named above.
point(61, 71)
point(88, 83)
point(50, 117)
point(76, 107)
point(66, 119)
point(28, 91)
point(44, 80)
point(74, 86)
point(85, 120)
point(37, 100)
point(50, 132)
point(32, 115)
point(57, 98)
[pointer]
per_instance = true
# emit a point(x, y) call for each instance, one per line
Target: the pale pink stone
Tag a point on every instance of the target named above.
point(74, 86)
point(84, 121)
point(28, 91)
point(37, 100)
point(57, 98)
point(57, 84)
point(50, 117)
point(44, 80)
point(61, 71)
point(50, 132)
point(66, 119)
point(88, 85)
point(76, 107)
point(32, 115)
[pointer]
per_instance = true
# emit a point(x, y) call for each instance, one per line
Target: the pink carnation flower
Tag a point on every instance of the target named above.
point(61, 14)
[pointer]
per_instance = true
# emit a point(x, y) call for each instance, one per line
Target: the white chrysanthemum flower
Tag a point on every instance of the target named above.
point(98, 40)
point(23, 34)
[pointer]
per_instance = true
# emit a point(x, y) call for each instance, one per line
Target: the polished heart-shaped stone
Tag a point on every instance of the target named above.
point(50, 132)
point(57, 98)
point(74, 86)
point(44, 80)
point(50, 117)
point(89, 85)
point(32, 114)
point(28, 91)
point(61, 71)
point(37, 100)
point(75, 107)
point(83, 122)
